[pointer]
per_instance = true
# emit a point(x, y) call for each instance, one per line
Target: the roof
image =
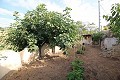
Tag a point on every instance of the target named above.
point(86, 35)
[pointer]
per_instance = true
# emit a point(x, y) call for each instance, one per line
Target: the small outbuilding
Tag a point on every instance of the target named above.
point(87, 39)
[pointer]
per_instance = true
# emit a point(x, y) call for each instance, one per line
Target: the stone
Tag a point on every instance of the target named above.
point(9, 60)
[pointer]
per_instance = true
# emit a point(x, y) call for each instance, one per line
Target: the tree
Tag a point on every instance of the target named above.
point(3, 37)
point(41, 26)
point(114, 19)
point(81, 27)
point(97, 37)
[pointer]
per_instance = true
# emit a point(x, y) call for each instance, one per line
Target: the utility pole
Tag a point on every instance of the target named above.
point(99, 13)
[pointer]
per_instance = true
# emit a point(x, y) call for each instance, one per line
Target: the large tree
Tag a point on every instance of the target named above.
point(114, 19)
point(41, 26)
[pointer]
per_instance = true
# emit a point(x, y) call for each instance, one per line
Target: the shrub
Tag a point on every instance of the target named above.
point(96, 37)
point(75, 75)
point(77, 72)
point(81, 50)
point(77, 64)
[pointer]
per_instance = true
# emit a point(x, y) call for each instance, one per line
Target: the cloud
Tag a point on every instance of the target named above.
point(25, 4)
point(9, 13)
point(72, 3)
point(5, 22)
point(31, 4)
point(5, 12)
point(85, 11)
point(105, 9)
point(88, 12)
point(82, 11)
point(53, 7)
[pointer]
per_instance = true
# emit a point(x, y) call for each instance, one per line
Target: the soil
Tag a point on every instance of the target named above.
point(57, 67)
point(98, 67)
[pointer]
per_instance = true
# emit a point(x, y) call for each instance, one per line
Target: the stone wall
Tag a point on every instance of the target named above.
point(9, 60)
point(109, 46)
point(107, 43)
point(25, 56)
point(114, 52)
point(46, 49)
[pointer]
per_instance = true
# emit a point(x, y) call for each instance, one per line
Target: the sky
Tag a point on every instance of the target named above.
point(82, 10)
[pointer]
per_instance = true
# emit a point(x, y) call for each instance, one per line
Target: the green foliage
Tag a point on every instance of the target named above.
point(114, 19)
point(1, 47)
point(16, 39)
point(75, 75)
point(89, 28)
point(78, 70)
point(97, 36)
point(77, 64)
point(105, 28)
point(81, 50)
point(41, 26)
point(82, 28)
point(3, 37)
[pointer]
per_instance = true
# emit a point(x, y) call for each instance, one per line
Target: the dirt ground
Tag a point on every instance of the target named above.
point(98, 67)
point(48, 69)
point(57, 67)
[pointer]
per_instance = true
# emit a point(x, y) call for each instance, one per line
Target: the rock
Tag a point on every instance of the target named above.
point(27, 57)
point(12, 61)
point(9, 60)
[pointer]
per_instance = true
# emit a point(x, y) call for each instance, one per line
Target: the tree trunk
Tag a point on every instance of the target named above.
point(40, 53)
point(40, 56)
point(53, 50)
point(99, 42)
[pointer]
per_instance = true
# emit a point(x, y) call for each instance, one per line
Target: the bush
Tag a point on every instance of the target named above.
point(77, 64)
point(81, 50)
point(75, 75)
point(77, 72)
point(96, 37)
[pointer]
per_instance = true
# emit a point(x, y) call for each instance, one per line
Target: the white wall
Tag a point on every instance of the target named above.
point(109, 42)
point(47, 50)
point(11, 62)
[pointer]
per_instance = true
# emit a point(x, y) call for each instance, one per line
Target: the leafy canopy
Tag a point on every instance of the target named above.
point(114, 19)
point(97, 36)
point(41, 26)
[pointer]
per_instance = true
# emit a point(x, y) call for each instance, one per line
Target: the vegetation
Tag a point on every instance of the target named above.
point(77, 71)
point(3, 36)
point(82, 28)
point(41, 26)
point(114, 20)
point(81, 50)
point(97, 37)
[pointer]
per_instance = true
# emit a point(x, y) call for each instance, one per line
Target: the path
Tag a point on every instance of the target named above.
point(98, 67)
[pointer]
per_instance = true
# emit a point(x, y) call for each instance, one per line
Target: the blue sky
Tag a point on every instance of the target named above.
point(82, 10)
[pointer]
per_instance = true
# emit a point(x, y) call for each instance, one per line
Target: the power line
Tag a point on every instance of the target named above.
point(103, 9)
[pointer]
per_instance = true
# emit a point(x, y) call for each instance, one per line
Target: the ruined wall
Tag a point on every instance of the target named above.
point(10, 59)
point(107, 43)
point(114, 52)
point(47, 50)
